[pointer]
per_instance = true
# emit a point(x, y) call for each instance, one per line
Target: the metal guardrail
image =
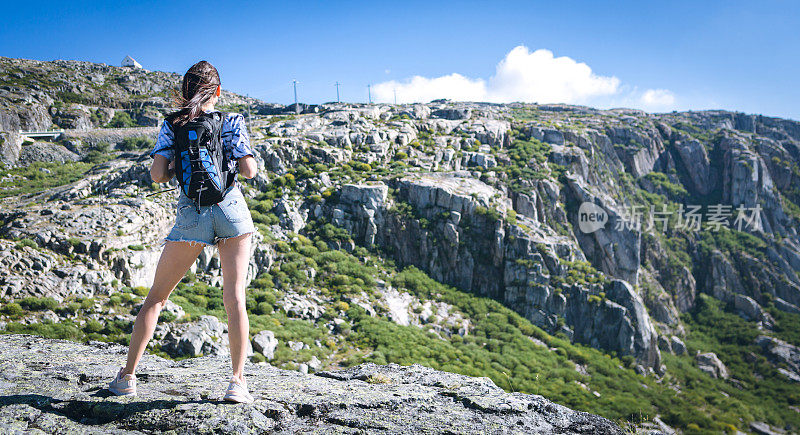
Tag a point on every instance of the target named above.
point(42, 133)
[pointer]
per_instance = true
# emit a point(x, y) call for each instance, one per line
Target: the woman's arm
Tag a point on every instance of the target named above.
point(162, 170)
point(248, 167)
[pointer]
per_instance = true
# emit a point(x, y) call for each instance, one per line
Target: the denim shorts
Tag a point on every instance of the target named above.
point(228, 218)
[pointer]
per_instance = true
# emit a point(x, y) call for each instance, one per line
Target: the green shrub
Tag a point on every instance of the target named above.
point(136, 143)
point(70, 308)
point(166, 317)
point(264, 308)
point(86, 303)
point(121, 120)
point(63, 330)
point(96, 157)
point(26, 243)
point(490, 213)
point(282, 247)
point(102, 147)
point(38, 304)
point(12, 309)
point(92, 326)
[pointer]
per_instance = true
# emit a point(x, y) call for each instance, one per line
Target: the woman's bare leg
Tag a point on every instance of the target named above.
point(176, 258)
point(234, 254)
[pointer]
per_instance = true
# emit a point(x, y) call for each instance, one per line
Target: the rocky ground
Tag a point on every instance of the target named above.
point(453, 226)
point(58, 386)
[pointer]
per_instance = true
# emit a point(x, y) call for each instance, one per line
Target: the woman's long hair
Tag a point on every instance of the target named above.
point(198, 87)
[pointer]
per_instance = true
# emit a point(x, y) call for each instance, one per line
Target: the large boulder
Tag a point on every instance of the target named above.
point(644, 345)
point(265, 342)
point(46, 152)
point(207, 336)
point(453, 113)
point(711, 364)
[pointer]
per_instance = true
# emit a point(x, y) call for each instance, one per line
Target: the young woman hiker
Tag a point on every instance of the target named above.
point(226, 224)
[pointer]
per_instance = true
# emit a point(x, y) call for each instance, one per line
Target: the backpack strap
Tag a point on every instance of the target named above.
point(226, 162)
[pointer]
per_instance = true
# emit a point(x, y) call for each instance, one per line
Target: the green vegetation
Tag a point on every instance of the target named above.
point(35, 177)
point(731, 242)
point(26, 243)
point(760, 392)
point(232, 108)
point(121, 119)
point(528, 162)
point(490, 213)
point(579, 272)
point(698, 133)
point(109, 330)
point(100, 153)
point(137, 143)
point(661, 181)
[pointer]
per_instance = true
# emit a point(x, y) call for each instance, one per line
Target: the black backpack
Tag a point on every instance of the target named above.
point(201, 165)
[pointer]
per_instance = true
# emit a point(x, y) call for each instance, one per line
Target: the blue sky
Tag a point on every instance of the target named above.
point(658, 56)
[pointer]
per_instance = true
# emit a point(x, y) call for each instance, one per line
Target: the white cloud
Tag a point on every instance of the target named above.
point(418, 88)
point(541, 77)
point(656, 98)
point(525, 76)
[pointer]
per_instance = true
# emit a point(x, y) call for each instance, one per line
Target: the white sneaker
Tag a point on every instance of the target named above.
point(123, 386)
point(237, 393)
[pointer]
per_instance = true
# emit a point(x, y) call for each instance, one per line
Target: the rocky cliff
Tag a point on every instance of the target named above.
point(58, 386)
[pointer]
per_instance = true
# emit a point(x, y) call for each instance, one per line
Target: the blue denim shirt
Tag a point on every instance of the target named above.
point(235, 142)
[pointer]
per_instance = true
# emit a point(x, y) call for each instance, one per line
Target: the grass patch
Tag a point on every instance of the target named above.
point(35, 177)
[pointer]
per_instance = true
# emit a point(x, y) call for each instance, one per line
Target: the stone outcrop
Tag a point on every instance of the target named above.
point(59, 386)
point(786, 356)
point(265, 342)
point(614, 248)
point(711, 364)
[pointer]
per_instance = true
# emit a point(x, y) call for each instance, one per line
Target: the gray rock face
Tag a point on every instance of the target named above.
point(45, 152)
point(619, 323)
point(452, 114)
point(750, 310)
point(637, 148)
point(207, 336)
point(677, 345)
point(547, 135)
point(710, 363)
point(644, 340)
point(614, 248)
point(762, 428)
point(97, 87)
point(781, 353)
point(695, 158)
point(59, 386)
